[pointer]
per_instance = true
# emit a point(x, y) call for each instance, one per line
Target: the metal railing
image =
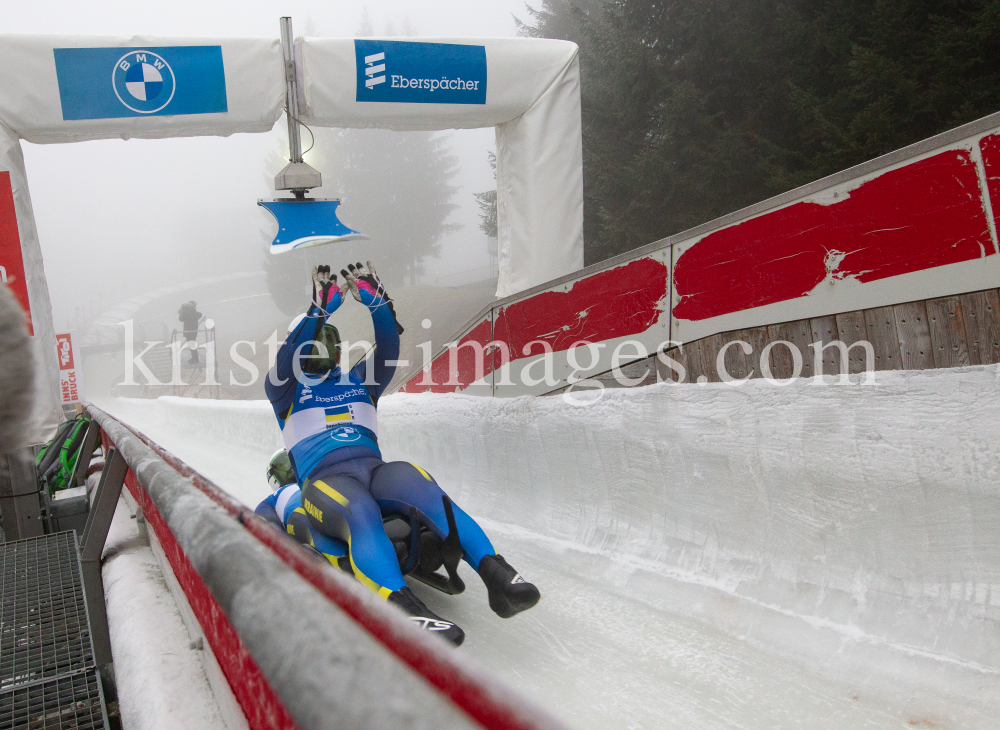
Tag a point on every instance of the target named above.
point(192, 367)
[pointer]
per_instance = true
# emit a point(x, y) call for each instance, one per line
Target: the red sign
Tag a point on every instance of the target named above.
point(69, 390)
point(64, 346)
point(11, 263)
point(69, 377)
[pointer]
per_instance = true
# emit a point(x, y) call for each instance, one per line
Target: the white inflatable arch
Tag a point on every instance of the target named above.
point(58, 89)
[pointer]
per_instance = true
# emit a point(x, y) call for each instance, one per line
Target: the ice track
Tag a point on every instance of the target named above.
point(709, 556)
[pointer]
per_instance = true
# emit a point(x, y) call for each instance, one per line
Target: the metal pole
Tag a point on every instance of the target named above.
point(85, 454)
point(95, 534)
point(291, 90)
point(297, 176)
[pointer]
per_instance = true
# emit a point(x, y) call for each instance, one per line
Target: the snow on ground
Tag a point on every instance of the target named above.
point(160, 677)
point(822, 556)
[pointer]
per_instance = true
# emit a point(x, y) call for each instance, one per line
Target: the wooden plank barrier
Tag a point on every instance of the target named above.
point(937, 333)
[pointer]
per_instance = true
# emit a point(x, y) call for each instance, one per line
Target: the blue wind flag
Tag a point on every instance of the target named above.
point(303, 223)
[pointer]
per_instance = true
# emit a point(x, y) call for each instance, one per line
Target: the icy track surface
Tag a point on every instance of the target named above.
point(709, 556)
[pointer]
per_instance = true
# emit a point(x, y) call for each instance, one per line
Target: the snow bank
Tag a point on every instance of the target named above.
point(873, 508)
point(249, 423)
point(160, 676)
point(870, 509)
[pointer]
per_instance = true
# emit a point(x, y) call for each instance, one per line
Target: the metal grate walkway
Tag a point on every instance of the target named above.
point(47, 674)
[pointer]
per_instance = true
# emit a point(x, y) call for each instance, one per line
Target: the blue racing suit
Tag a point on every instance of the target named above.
point(284, 509)
point(319, 414)
point(330, 427)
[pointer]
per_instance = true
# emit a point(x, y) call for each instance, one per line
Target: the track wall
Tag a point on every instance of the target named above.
point(915, 225)
point(869, 512)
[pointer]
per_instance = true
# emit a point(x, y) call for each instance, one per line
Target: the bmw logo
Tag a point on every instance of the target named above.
point(143, 81)
point(345, 433)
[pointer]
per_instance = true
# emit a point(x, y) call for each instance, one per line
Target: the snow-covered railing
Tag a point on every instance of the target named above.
point(916, 224)
point(300, 644)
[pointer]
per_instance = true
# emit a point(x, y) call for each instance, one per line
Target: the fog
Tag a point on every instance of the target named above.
point(118, 218)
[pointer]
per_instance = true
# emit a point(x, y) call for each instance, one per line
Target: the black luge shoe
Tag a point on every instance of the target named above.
point(509, 592)
point(424, 617)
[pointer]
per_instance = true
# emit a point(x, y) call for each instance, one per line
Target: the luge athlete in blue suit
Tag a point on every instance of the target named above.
point(283, 508)
point(330, 427)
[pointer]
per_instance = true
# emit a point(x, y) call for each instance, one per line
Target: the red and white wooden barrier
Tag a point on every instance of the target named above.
point(915, 224)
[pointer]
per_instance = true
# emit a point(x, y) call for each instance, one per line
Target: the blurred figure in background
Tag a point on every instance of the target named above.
point(17, 374)
point(190, 317)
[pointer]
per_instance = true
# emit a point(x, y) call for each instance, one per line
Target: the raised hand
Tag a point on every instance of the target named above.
point(352, 282)
point(370, 276)
point(371, 269)
point(322, 281)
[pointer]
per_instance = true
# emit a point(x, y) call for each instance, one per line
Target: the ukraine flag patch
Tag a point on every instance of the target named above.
point(338, 415)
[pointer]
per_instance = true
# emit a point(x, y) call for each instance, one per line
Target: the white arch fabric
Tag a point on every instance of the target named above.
point(58, 89)
point(32, 107)
point(31, 102)
point(532, 97)
point(47, 413)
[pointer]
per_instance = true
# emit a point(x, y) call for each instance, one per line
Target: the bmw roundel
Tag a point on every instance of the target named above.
point(345, 433)
point(143, 81)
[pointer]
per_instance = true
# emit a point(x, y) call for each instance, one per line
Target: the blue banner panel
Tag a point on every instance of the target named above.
point(420, 73)
point(108, 83)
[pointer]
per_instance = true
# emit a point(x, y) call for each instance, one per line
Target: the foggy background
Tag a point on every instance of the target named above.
point(119, 221)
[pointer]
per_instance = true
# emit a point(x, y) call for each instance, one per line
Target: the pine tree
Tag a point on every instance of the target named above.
point(695, 109)
point(365, 28)
point(487, 202)
point(395, 188)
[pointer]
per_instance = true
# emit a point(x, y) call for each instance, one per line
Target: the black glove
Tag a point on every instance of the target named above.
point(352, 283)
point(370, 277)
point(323, 281)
